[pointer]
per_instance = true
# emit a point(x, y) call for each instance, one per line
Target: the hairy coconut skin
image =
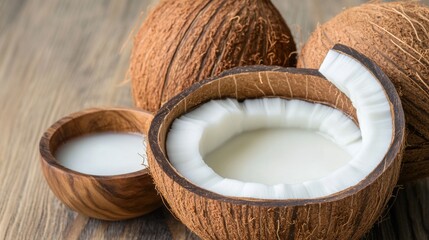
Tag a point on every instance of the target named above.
point(396, 36)
point(344, 215)
point(183, 41)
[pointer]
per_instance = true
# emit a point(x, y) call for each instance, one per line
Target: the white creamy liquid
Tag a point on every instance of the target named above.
point(104, 154)
point(277, 155)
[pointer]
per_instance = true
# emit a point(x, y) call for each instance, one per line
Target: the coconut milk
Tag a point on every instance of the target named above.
point(104, 153)
point(277, 155)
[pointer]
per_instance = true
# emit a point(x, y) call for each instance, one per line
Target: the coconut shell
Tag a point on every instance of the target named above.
point(345, 215)
point(182, 42)
point(396, 36)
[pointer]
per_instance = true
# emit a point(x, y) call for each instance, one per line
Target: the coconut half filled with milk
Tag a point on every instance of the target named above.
point(266, 152)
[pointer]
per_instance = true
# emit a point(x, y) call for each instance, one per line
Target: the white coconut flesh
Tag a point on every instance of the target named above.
point(272, 148)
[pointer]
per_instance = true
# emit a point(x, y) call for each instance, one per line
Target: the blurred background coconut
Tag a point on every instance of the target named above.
point(58, 57)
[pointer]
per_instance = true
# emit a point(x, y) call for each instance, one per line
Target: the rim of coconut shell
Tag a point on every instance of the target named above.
point(395, 148)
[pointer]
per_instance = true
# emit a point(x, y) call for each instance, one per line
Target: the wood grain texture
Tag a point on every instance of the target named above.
point(58, 57)
point(110, 198)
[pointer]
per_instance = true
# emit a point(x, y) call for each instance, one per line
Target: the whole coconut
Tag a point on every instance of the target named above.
point(184, 41)
point(394, 35)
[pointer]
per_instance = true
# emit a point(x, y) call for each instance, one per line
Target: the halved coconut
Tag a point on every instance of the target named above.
point(394, 34)
point(355, 109)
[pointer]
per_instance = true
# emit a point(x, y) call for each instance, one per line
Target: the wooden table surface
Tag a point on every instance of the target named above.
point(58, 57)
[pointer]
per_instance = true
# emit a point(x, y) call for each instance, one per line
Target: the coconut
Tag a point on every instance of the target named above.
point(343, 204)
point(182, 42)
point(395, 36)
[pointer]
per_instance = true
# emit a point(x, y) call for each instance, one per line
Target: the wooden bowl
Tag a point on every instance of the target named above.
point(104, 197)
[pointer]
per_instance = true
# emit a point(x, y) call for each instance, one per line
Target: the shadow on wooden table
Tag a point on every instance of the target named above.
point(58, 57)
point(150, 226)
point(405, 219)
point(407, 216)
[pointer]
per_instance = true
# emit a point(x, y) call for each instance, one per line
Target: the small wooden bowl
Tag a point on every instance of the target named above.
point(104, 197)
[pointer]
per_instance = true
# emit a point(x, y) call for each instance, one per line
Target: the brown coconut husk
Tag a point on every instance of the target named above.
point(396, 36)
point(183, 41)
point(344, 215)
